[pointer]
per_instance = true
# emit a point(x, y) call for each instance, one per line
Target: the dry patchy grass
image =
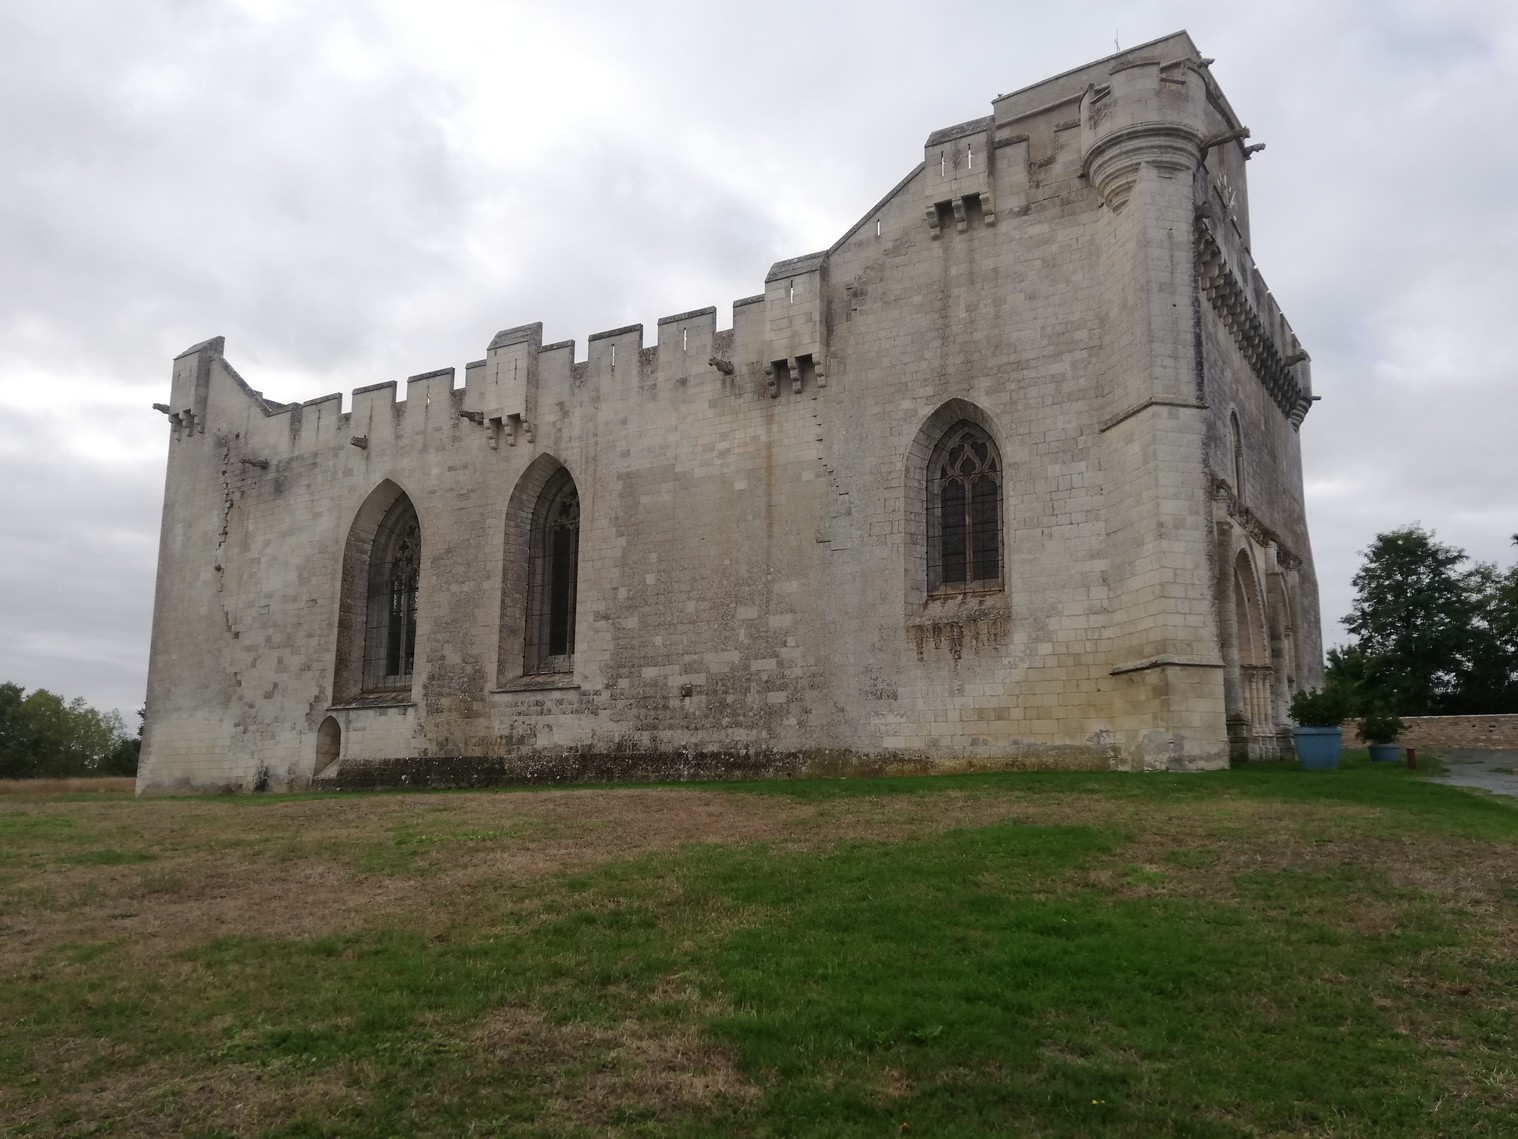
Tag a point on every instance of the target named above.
point(100, 785)
point(151, 886)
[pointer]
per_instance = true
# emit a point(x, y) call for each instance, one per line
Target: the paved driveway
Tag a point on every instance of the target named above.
point(1490, 770)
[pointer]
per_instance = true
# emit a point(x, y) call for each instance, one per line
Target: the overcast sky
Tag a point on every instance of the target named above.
point(356, 191)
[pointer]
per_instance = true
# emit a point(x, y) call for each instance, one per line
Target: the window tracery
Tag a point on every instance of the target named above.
point(394, 576)
point(964, 513)
point(553, 578)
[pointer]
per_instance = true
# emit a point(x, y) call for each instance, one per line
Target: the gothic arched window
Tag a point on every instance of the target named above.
point(554, 553)
point(964, 512)
point(394, 571)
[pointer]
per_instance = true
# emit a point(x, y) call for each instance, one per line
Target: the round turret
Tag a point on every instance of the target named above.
point(1149, 113)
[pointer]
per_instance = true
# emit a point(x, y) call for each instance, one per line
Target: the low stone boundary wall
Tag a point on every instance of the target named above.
point(1451, 731)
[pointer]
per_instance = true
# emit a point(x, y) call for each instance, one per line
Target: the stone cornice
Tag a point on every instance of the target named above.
point(1233, 298)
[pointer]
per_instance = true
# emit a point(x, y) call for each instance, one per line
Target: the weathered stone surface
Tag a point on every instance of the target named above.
point(1071, 275)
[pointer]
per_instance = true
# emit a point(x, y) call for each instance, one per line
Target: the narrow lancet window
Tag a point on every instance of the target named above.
point(1236, 445)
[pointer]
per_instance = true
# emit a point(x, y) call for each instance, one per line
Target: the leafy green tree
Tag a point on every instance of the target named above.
point(1433, 635)
point(1411, 619)
point(1491, 681)
point(12, 750)
point(1351, 672)
point(123, 758)
point(42, 734)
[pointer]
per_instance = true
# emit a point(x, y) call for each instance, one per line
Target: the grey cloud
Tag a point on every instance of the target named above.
point(257, 184)
point(77, 570)
point(301, 183)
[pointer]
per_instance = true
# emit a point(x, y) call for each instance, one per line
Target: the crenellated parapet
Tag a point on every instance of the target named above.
point(1237, 293)
point(1148, 113)
point(780, 334)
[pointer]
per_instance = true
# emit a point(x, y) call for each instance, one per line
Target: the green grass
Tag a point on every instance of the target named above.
point(1253, 952)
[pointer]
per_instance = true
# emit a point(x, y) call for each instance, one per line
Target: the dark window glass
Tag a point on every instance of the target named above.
point(555, 553)
point(561, 577)
point(964, 512)
point(952, 494)
point(1236, 443)
point(985, 525)
point(394, 575)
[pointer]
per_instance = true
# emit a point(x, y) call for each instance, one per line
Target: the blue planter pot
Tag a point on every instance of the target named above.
point(1384, 753)
point(1317, 747)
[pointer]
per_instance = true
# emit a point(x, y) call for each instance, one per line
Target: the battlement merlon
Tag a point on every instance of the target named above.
point(795, 330)
point(503, 391)
point(687, 340)
point(957, 171)
point(190, 387)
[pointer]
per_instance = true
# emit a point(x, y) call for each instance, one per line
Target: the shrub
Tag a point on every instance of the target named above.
point(1321, 707)
point(1379, 726)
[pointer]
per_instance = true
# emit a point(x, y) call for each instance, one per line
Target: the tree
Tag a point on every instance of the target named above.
point(12, 737)
point(1349, 671)
point(124, 756)
point(1432, 635)
point(1491, 683)
point(42, 734)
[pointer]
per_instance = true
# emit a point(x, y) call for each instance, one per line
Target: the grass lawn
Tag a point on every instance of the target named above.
point(1255, 952)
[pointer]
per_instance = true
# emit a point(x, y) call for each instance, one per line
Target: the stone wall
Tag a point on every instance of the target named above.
point(751, 591)
point(1451, 732)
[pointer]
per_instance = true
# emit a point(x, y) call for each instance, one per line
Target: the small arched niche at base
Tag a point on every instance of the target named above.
point(329, 745)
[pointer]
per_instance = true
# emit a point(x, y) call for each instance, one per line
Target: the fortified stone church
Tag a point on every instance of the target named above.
point(1007, 476)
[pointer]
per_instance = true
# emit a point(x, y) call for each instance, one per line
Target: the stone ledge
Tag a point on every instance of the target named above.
point(359, 703)
point(1164, 661)
point(560, 683)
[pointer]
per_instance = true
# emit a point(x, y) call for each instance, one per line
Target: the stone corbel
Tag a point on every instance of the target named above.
point(772, 371)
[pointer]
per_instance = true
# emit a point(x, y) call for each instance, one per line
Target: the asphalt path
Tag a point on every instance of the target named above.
point(1495, 770)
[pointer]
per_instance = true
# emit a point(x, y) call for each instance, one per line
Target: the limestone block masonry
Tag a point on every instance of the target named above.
point(1009, 476)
